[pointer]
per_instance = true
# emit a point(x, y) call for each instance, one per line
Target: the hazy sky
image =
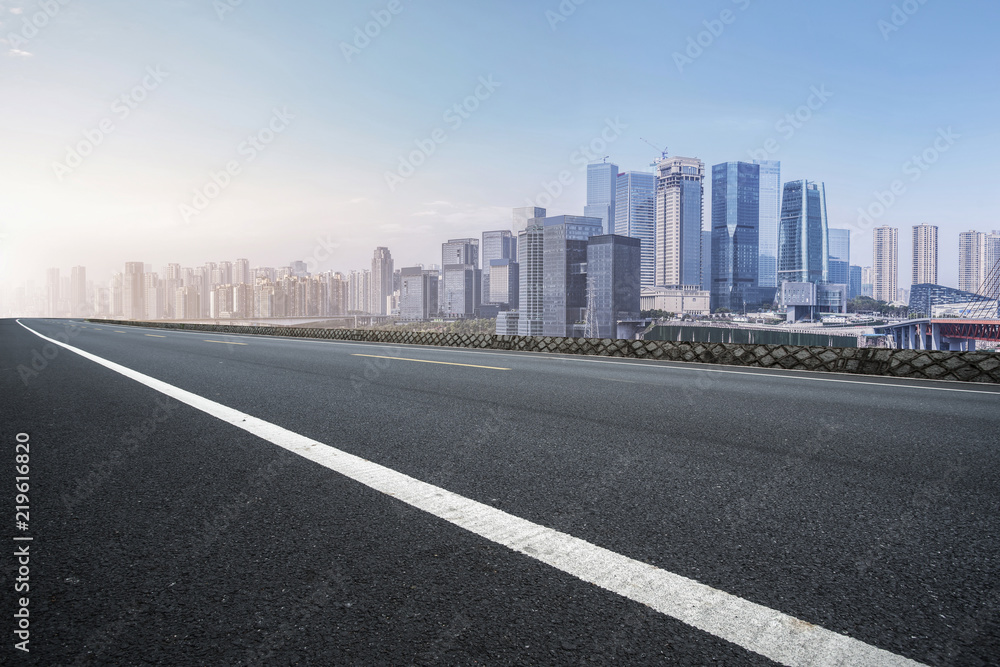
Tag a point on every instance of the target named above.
point(157, 96)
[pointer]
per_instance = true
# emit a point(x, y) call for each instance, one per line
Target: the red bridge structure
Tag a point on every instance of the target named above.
point(952, 334)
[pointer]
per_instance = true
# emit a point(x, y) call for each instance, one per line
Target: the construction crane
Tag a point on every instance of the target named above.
point(663, 153)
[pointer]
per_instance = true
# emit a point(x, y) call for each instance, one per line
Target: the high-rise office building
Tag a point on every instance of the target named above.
point(523, 215)
point(971, 261)
point(530, 255)
point(382, 271)
point(564, 276)
point(602, 188)
point(635, 216)
point(854, 283)
point(706, 261)
point(735, 221)
point(885, 263)
point(770, 220)
point(679, 199)
point(503, 283)
point(840, 256)
point(78, 292)
point(925, 255)
point(133, 288)
point(461, 277)
point(418, 293)
point(803, 239)
point(500, 244)
point(613, 283)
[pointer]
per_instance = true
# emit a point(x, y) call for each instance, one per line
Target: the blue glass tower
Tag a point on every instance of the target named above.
point(602, 180)
point(854, 286)
point(803, 239)
point(770, 218)
point(840, 256)
point(635, 217)
point(735, 229)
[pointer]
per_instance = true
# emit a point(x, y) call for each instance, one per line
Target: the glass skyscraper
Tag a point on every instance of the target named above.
point(461, 277)
point(601, 189)
point(854, 285)
point(840, 256)
point(735, 228)
point(613, 270)
point(803, 239)
point(564, 275)
point(770, 218)
point(635, 217)
point(496, 245)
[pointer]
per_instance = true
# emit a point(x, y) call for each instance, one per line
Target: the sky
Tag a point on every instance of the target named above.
point(195, 131)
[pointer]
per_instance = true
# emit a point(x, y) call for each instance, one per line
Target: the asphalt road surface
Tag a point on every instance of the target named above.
point(206, 499)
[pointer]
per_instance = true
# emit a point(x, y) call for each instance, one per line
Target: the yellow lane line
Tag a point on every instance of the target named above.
point(224, 342)
point(154, 336)
point(425, 361)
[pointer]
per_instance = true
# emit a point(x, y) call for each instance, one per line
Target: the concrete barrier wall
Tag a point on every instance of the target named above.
point(920, 364)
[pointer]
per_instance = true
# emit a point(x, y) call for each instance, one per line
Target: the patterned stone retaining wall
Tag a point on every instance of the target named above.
point(963, 366)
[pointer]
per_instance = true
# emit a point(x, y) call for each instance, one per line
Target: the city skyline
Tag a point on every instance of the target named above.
point(498, 246)
point(318, 178)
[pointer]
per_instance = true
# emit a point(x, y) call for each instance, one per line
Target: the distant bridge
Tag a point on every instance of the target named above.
point(955, 335)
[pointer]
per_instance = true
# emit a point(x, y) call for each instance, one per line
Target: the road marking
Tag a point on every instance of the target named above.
point(224, 342)
point(780, 637)
point(625, 381)
point(426, 361)
point(784, 373)
point(155, 336)
point(119, 332)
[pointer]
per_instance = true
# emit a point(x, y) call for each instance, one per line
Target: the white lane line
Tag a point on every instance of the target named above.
point(428, 361)
point(638, 363)
point(757, 628)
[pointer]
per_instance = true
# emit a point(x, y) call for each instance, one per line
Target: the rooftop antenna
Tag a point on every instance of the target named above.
point(605, 159)
point(663, 153)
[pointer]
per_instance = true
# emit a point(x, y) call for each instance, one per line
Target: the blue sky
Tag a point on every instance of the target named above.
point(559, 75)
